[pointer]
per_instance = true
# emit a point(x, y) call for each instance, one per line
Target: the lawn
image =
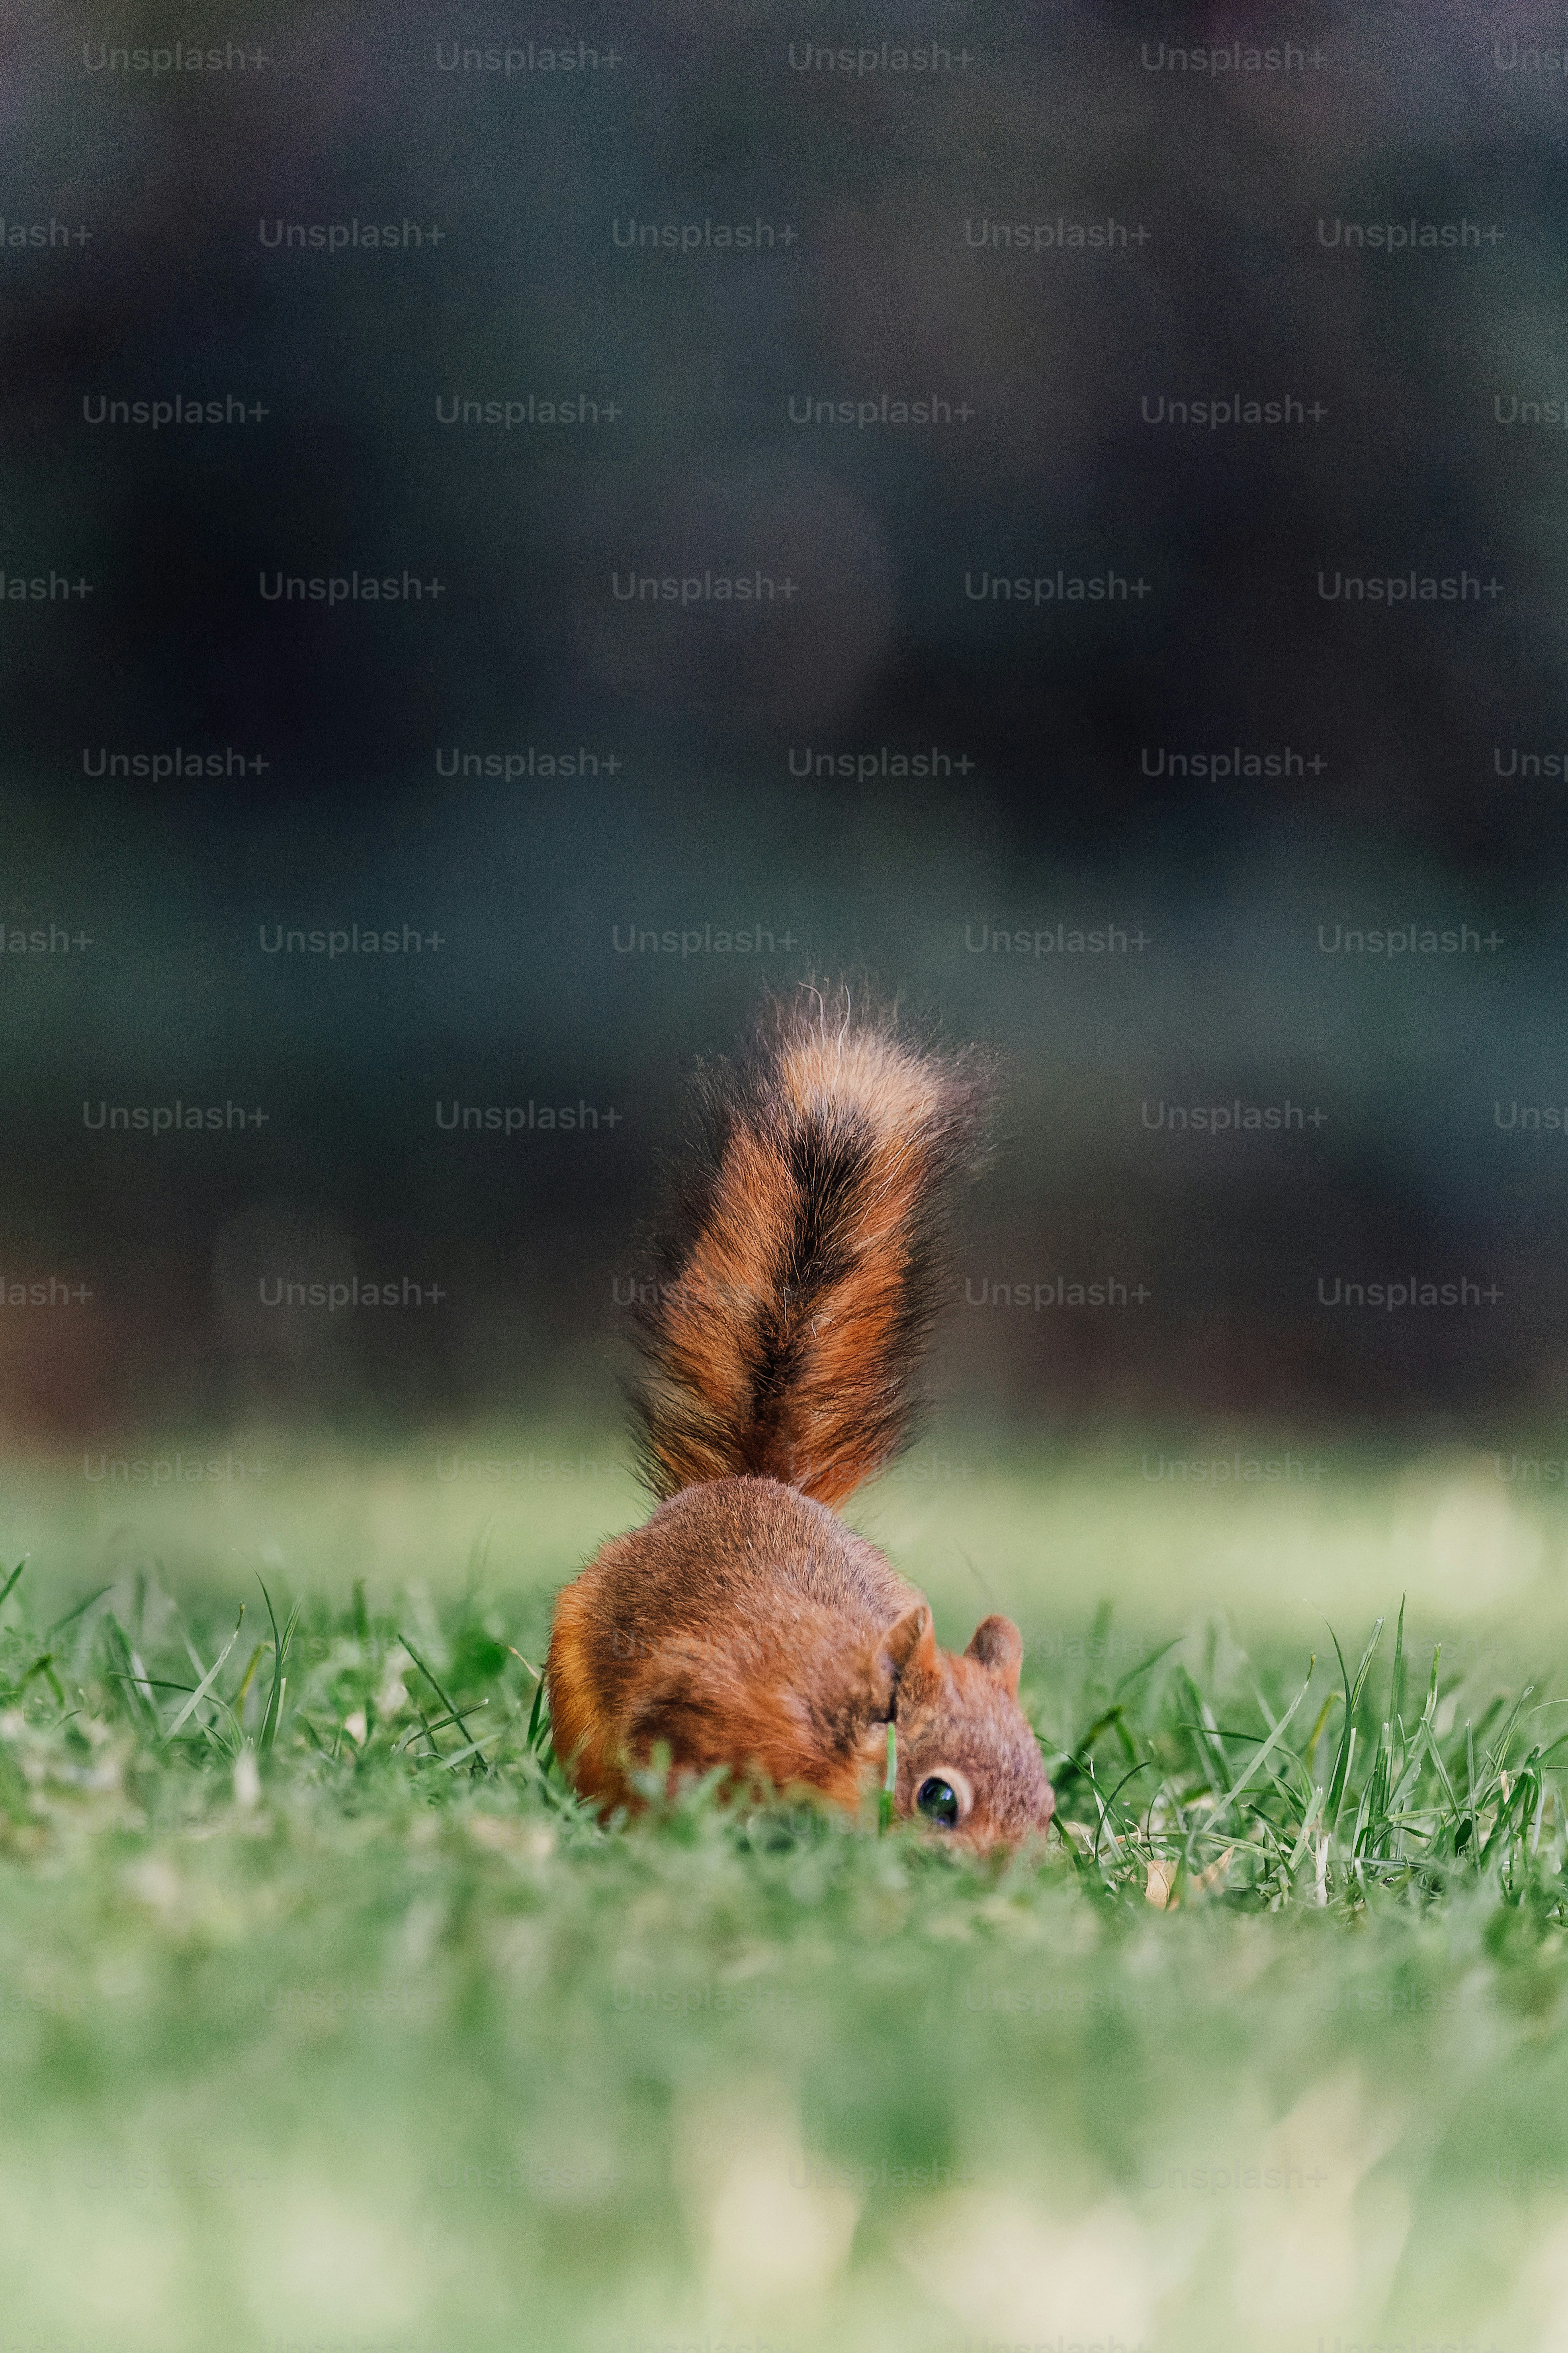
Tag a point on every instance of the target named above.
point(327, 2018)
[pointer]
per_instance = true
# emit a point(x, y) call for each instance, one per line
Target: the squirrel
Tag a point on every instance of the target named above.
point(745, 1626)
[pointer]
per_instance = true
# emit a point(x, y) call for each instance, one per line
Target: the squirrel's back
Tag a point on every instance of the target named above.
point(730, 1627)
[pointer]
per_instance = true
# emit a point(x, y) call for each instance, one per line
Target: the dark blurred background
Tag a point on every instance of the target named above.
point(1390, 765)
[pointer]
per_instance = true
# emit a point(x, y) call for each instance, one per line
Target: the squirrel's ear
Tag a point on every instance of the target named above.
point(904, 1654)
point(997, 1644)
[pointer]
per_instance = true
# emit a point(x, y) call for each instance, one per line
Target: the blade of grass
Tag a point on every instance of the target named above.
point(61, 1623)
point(1313, 1811)
point(1106, 1824)
point(1353, 1695)
point(1145, 1664)
point(1076, 1760)
point(535, 1715)
point(456, 1713)
point(442, 1722)
point(1499, 1750)
point(1148, 1766)
point(472, 1749)
point(44, 1666)
point(890, 1783)
point(131, 1672)
point(274, 1715)
point(237, 1703)
point(1310, 1759)
point(1349, 1758)
point(1257, 1763)
point(1211, 1754)
point(209, 1680)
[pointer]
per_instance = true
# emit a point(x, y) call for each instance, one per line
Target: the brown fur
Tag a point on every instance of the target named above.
point(793, 1295)
point(745, 1627)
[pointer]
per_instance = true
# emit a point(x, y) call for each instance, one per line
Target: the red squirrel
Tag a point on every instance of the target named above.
point(745, 1625)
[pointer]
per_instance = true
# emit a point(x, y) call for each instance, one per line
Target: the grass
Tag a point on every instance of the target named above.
point(1364, 1803)
point(1364, 1800)
point(328, 2015)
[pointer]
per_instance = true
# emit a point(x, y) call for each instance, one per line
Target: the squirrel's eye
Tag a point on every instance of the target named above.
point(938, 1801)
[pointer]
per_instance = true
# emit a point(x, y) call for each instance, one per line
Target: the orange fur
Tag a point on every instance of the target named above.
point(745, 1627)
point(790, 1309)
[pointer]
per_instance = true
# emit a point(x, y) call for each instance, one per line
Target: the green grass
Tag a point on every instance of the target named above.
point(328, 2016)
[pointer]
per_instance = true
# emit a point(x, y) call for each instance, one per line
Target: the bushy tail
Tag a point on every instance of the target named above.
point(802, 1269)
